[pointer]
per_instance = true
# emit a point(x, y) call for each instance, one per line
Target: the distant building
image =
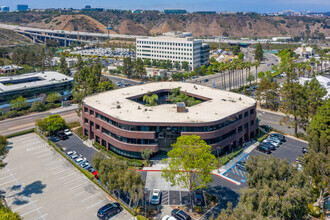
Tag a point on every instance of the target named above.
point(138, 11)
point(281, 38)
point(89, 8)
point(4, 9)
point(174, 46)
point(288, 12)
point(9, 68)
point(175, 11)
point(205, 12)
point(304, 51)
point(22, 7)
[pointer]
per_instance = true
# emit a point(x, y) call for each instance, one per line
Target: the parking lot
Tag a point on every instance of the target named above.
point(39, 183)
point(171, 195)
point(106, 52)
point(290, 150)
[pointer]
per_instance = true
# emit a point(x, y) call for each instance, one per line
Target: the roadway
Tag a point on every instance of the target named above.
point(13, 125)
point(217, 78)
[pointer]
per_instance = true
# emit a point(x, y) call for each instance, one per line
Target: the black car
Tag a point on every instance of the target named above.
point(269, 145)
point(264, 148)
point(61, 135)
point(206, 80)
point(180, 215)
point(279, 136)
point(108, 210)
point(241, 165)
point(198, 198)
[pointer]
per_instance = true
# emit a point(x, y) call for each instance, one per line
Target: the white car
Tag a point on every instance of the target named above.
point(80, 160)
point(155, 199)
point(167, 217)
point(70, 152)
point(67, 132)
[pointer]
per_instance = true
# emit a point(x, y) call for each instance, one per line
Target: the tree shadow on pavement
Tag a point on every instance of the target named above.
point(34, 188)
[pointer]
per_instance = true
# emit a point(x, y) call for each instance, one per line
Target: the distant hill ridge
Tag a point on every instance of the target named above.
point(150, 23)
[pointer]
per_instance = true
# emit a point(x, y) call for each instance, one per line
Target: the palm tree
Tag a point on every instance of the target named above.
point(150, 99)
point(256, 64)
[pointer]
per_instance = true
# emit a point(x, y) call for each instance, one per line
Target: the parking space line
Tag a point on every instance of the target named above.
point(40, 216)
point(7, 182)
point(30, 212)
point(237, 175)
point(65, 176)
point(3, 177)
point(49, 158)
point(90, 197)
point(79, 193)
point(60, 171)
point(71, 181)
point(51, 163)
point(78, 186)
point(14, 210)
point(47, 154)
point(40, 151)
point(53, 168)
point(95, 204)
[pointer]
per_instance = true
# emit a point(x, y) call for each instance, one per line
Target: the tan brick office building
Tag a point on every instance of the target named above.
point(120, 120)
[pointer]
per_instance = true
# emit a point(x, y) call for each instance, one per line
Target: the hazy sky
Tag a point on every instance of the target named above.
point(190, 5)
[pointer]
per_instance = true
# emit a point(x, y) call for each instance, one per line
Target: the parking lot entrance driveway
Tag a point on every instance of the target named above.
point(38, 183)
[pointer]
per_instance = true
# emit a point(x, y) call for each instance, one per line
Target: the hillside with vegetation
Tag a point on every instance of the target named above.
point(153, 22)
point(8, 37)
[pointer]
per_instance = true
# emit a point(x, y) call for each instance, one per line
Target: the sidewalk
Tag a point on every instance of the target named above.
point(220, 172)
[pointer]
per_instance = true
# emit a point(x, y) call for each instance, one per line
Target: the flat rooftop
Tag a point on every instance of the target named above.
point(31, 80)
point(221, 104)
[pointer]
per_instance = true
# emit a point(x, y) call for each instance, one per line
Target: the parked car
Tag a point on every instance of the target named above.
point(70, 152)
point(264, 148)
point(118, 83)
point(275, 139)
point(269, 144)
point(206, 80)
point(67, 132)
point(54, 139)
point(276, 144)
point(304, 150)
point(161, 136)
point(156, 197)
point(180, 215)
point(281, 136)
point(84, 165)
point(199, 198)
point(74, 156)
point(108, 210)
point(95, 174)
point(61, 135)
point(241, 165)
point(80, 160)
point(167, 217)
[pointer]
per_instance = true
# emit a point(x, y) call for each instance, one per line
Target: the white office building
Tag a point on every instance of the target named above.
point(174, 46)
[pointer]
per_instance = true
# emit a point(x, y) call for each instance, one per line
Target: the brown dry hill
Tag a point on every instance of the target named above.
point(153, 22)
point(8, 37)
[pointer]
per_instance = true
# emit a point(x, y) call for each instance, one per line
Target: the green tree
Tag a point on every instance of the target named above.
point(212, 60)
point(19, 103)
point(3, 145)
point(176, 65)
point(7, 214)
point(146, 153)
point(267, 93)
point(241, 56)
point(168, 64)
point(236, 49)
point(185, 65)
point(140, 70)
point(146, 62)
point(318, 132)
point(104, 86)
point(150, 99)
point(38, 106)
point(80, 63)
point(250, 78)
point(258, 53)
point(193, 156)
point(275, 189)
point(292, 97)
point(128, 67)
point(51, 124)
point(154, 63)
point(53, 97)
point(64, 66)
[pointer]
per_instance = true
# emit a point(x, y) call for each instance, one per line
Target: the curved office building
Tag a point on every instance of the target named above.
point(122, 122)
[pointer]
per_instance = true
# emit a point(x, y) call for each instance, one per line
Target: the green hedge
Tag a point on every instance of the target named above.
point(73, 124)
point(262, 138)
point(228, 157)
point(20, 133)
point(130, 162)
